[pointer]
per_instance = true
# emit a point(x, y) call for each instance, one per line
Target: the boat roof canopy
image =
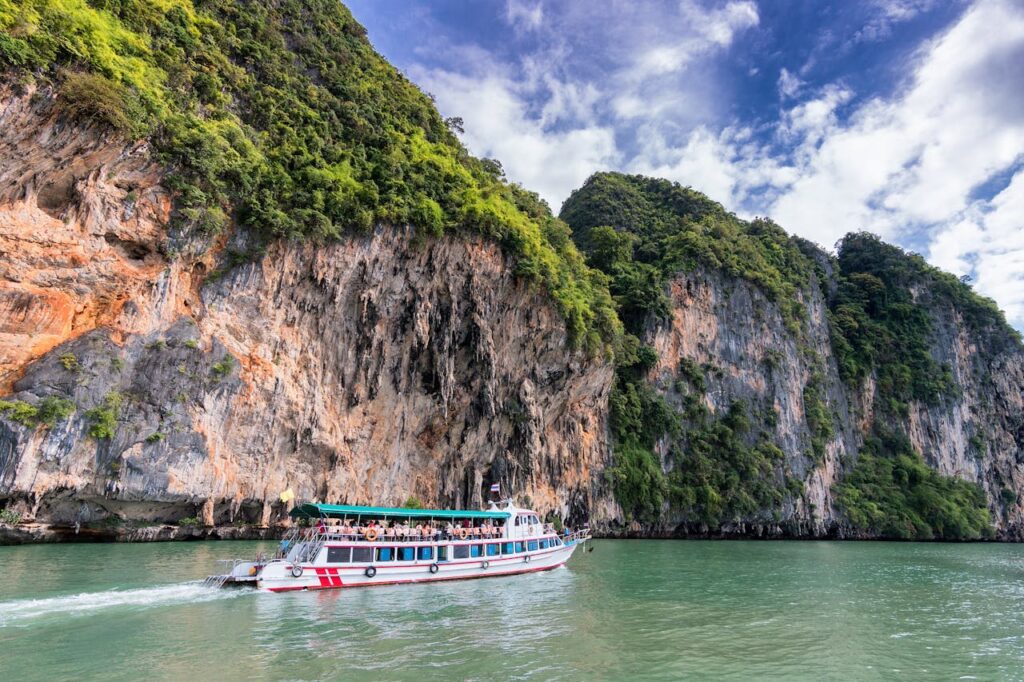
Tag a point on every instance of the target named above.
point(342, 510)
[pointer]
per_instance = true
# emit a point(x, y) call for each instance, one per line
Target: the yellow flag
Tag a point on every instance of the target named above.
point(287, 495)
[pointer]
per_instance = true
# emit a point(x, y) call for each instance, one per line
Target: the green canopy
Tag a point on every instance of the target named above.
point(316, 510)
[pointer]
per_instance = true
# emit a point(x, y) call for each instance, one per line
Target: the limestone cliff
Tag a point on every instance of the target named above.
point(366, 370)
point(727, 325)
point(240, 253)
point(787, 392)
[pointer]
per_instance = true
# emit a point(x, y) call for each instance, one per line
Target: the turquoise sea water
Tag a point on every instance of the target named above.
point(630, 610)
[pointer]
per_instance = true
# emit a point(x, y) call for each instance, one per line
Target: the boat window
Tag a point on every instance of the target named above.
point(493, 550)
point(474, 550)
point(460, 552)
point(339, 555)
point(543, 544)
point(426, 553)
point(442, 553)
point(362, 554)
point(406, 553)
point(519, 547)
point(517, 520)
point(386, 554)
point(531, 545)
point(507, 548)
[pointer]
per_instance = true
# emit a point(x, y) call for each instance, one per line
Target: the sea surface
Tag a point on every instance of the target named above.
point(629, 610)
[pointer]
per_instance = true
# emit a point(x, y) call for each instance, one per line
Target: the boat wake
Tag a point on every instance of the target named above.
point(19, 611)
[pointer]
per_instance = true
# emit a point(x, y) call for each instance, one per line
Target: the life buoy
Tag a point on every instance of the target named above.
point(485, 564)
point(296, 571)
point(370, 571)
point(370, 534)
point(434, 568)
point(463, 533)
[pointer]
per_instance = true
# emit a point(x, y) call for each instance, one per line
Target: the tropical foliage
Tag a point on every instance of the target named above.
point(881, 322)
point(640, 232)
point(892, 492)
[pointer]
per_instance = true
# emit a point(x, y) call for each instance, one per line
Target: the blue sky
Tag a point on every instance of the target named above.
point(903, 117)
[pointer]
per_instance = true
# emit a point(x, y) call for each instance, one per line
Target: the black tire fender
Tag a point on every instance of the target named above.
point(370, 571)
point(296, 571)
point(485, 564)
point(434, 568)
point(526, 559)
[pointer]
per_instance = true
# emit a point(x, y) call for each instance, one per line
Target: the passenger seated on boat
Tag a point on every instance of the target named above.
point(389, 530)
point(449, 530)
point(346, 528)
point(426, 531)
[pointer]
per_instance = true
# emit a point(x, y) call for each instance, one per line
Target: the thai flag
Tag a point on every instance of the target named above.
point(495, 488)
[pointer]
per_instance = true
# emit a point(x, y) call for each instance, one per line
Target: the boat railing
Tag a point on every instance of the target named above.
point(578, 536)
point(439, 536)
point(316, 536)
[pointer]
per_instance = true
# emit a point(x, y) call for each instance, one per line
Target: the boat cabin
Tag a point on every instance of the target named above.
point(363, 534)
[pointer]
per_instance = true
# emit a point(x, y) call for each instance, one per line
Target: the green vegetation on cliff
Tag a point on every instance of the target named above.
point(718, 468)
point(892, 492)
point(641, 232)
point(48, 412)
point(881, 321)
point(278, 115)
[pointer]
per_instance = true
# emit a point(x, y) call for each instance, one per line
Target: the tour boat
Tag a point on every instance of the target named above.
point(335, 546)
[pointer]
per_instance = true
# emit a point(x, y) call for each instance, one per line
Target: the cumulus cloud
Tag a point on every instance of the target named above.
point(911, 166)
point(789, 84)
point(886, 14)
point(550, 128)
point(524, 16)
point(499, 124)
point(912, 161)
point(987, 243)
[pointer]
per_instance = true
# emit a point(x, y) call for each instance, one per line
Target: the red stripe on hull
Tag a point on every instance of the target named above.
point(416, 580)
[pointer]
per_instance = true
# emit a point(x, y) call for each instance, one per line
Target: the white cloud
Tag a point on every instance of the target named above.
point(726, 166)
point(789, 84)
point(885, 14)
point(906, 166)
point(719, 26)
point(648, 87)
point(551, 131)
point(912, 162)
point(498, 125)
point(988, 244)
point(524, 16)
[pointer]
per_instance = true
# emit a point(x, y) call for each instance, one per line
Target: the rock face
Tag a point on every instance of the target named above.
point(366, 371)
point(977, 434)
point(727, 325)
point(385, 366)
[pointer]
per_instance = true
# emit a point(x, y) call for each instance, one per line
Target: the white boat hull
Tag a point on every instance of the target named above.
point(277, 575)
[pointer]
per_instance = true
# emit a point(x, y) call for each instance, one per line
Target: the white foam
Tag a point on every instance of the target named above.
point(15, 611)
